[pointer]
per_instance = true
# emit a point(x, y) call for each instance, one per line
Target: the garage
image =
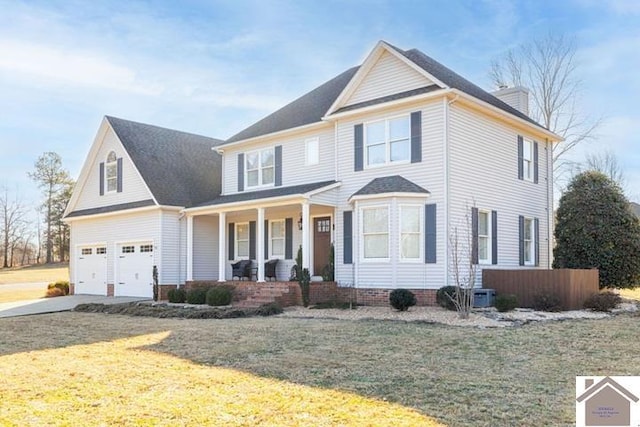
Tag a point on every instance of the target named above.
point(134, 269)
point(91, 270)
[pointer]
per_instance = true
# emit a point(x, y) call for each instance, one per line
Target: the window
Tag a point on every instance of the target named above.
point(410, 233)
point(529, 243)
point(388, 141)
point(260, 167)
point(101, 250)
point(484, 237)
point(128, 249)
point(86, 251)
point(312, 151)
point(146, 248)
point(527, 160)
point(111, 172)
point(375, 233)
point(242, 241)
point(276, 244)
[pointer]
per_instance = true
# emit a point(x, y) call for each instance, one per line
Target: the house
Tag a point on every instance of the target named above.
point(606, 403)
point(384, 162)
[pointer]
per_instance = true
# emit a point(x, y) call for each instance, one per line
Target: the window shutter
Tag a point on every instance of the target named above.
point(119, 174)
point(494, 237)
point(266, 239)
point(288, 238)
point(347, 237)
point(521, 238)
point(252, 240)
point(102, 178)
point(520, 157)
point(240, 171)
point(535, 162)
point(430, 234)
point(416, 137)
point(536, 234)
point(232, 241)
point(278, 166)
point(358, 146)
point(474, 235)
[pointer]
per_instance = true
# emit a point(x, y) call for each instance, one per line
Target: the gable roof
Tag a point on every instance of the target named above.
point(180, 168)
point(390, 184)
point(613, 384)
point(111, 208)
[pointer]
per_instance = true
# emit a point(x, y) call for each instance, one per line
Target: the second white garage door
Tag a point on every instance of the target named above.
point(134, 270)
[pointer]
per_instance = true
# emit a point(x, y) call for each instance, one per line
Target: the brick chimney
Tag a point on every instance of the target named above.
point(517, 97)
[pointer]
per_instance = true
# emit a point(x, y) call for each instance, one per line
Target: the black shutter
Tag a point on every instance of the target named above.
point(520, 157)
point(266, 239)
point(494, 237)
point(536, 234)
point(278, 166)
point(474, 235)
point(252, 240)
point(358, 146)
point(119, 174)
point(535, 162)
point(102, 178)
point(347, 238)
point(288, 238)
point(240, 171)
point(232, 241)
point(521, 238)
point(430, 234)
point(416, 137)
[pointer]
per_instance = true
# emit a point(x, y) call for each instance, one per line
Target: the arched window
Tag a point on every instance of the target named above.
point(111, 167)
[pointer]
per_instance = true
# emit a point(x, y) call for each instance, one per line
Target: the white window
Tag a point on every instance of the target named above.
point(484, 237)
point(375, 233)
point(111, 173)
point(260, 167)
point(529, 243)
point(86, 251)
point(128, 249)
point(388, 141)
point(146, 248)
point(527, 160)
point(411, 233)
point(101, 250)
point(312, 151)
point(242, 241)
point(276, 240)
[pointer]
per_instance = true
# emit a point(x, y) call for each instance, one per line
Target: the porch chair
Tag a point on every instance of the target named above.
point(270, 269)
point(241, 269)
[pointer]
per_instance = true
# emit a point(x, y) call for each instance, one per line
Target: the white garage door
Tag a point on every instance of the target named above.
point(91, 270)
point(134, 270)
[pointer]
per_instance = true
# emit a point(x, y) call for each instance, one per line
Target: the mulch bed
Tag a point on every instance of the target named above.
point(167, 311)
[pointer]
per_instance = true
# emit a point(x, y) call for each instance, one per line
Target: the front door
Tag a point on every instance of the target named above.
point(321, 243)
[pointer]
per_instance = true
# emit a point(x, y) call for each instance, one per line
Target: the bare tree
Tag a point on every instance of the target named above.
point(547, 67)
point(13, 225)
point(607, 163)
point(462, 267)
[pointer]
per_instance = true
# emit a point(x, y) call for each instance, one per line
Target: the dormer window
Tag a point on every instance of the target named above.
point(111, 173)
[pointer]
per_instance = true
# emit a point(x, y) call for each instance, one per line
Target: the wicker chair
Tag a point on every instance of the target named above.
point(270, 269)
point(241, 269)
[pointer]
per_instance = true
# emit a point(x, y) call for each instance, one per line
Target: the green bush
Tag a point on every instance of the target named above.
point(54, 292)
point(197, 295)
point(506, 302)
point(178, 295)
point(442, 297)
point(63, 285)
point(547, 302)
point(402, 299)
point(219, 295)
point(603, 301)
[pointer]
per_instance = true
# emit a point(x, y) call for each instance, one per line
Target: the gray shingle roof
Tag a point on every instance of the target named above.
point(180, 168)
point(406, 94)
point(266, 194)
point(112, 208)
point(390, 184)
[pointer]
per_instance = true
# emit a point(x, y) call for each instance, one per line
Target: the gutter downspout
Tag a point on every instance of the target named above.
point(182, 215)
point(550, 212)
point(447, 204)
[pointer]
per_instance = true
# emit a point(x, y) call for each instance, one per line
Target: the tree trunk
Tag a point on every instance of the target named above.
point(49, 239)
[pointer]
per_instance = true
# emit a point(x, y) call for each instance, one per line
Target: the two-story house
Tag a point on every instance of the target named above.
point(386, 162)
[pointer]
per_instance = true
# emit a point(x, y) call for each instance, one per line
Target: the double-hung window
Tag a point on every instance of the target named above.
point(410, 233)
point(260, 167)
point(111, 169)
point(529, 242)
point(388, 141)
point(375, 232)
point(276, 244)
point(484, 237)
point(527, 159)
point(242, 240)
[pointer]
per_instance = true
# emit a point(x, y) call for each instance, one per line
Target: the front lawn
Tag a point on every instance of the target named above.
point(79, 368)
point(35, 273)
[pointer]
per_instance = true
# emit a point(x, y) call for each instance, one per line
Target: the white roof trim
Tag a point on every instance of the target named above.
point(113, 213)
point(279, 133)
point(389, 195)
point(322, 189)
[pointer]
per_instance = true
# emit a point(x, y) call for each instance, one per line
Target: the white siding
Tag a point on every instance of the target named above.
point(388, 76)
point(205, 248)
point(170, 248)
point(133, 187)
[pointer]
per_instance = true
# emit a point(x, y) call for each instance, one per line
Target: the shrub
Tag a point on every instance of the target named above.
point(506, 302)
point(178, 295)
point(219, 295)
point(442, 297)
point(304, 282)
point(197, 295)
point(54, 292)
point(268, 309)
point(402, 299)
point(547, 302)
point(63, 285)
point(603, 301)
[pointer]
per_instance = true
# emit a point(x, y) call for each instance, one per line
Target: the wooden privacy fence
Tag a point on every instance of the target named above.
point(573, 287)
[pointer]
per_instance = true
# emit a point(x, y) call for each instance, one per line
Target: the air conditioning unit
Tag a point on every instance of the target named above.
point(484, 297)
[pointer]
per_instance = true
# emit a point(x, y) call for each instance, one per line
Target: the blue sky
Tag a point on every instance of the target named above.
point(213, 67)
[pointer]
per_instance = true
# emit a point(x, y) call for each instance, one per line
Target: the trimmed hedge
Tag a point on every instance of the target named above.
point(219, 295)
point(402, 299)
point(603, 301)
point(506, 302)
point(197, 295)
point(164, 311)
point(178, 295)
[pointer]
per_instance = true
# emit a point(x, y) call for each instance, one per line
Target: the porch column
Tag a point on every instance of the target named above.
point(189, 248)
point(260, 244)
point(305, 236)
point(222, 238)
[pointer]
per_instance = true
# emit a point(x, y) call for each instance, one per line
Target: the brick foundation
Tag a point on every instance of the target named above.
point(72, 288)
point(163, 291)
point(109, 289)
point(380, 297)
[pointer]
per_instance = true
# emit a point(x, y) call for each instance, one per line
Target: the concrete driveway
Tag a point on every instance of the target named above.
point(52, 305)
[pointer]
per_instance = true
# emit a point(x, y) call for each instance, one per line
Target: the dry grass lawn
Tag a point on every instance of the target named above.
point(631, 293)
point(96, 369)
point(21, 295)
point(36, 273)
